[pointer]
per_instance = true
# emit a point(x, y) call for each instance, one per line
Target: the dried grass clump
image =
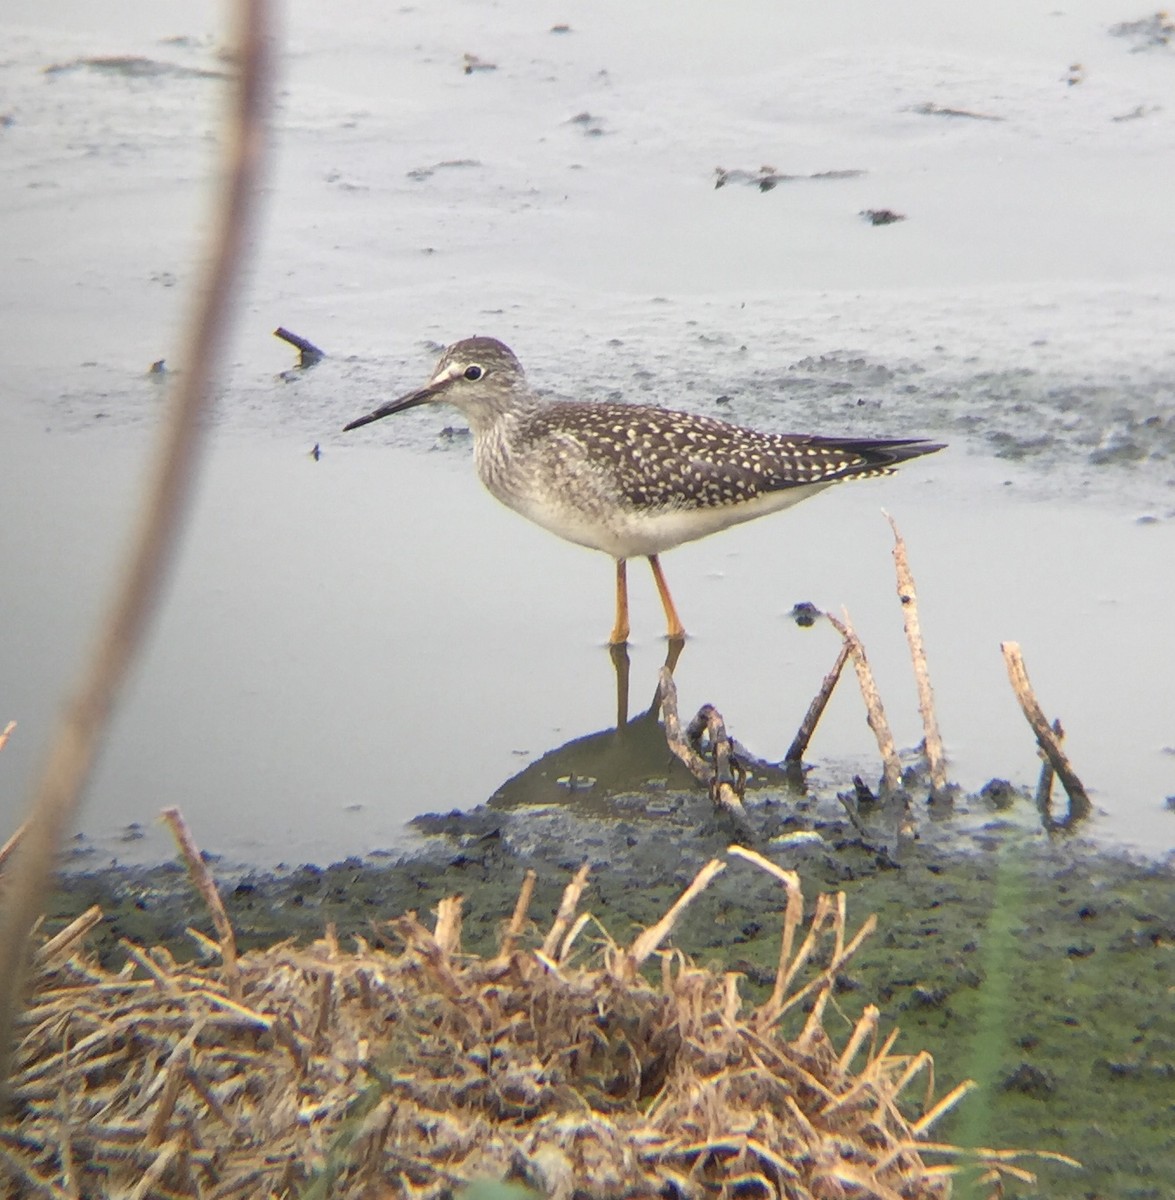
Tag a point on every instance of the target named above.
point(320, 1071)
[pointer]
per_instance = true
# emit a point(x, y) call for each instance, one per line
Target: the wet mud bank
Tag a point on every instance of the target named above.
point(1040, 966)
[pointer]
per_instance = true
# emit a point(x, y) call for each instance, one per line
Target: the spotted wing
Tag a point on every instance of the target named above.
point(653, 458)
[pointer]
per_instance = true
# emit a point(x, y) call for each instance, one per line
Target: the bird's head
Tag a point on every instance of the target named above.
point(478, 376)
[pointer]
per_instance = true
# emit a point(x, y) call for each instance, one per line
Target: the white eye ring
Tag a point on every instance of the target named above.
point(473, 373)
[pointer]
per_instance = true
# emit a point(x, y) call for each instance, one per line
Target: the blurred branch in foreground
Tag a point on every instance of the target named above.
point(71, 757)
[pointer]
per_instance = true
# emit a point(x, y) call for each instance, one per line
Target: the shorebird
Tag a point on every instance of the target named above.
point(631, 479)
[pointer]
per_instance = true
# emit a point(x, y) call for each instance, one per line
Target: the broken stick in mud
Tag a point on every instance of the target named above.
point(308, 352)
point(718, 776)
point(1079, 803)
point(795, 752)
point(891, 778)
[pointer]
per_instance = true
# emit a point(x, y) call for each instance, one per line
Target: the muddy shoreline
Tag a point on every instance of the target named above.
point(1039, 965)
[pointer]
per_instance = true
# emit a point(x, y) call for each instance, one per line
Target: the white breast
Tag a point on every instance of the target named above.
point(627, 534)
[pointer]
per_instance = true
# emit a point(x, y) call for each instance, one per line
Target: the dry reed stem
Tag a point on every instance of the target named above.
point(174, 1076)
point(792, 919)
point(152, 1175)
point(64, 942)
point(875, 710)
point(1079, 803)
point(866, 1027)
point(57, 794)
point(447, 933)
point(572, 934)
point(144, 960)
point(649, 939)
point(331, 939)
point(795, 752)
point(948, 1102)
point(839, 927)
point(828, 975)
point(913, 1067)
point(414, 935)
point(518, 918)
point(790, 965)
point(567, 906)
point(209, 947)
point(203, 882)
point(908, 596)
point(829, 910)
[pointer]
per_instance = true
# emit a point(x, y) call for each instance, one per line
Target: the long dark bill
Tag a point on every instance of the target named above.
point(422, 396)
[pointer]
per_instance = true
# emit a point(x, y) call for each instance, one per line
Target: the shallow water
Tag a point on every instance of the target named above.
point(354, 640)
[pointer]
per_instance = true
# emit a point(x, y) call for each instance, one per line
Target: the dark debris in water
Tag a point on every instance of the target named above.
point(590, 126)
point(930, 109)
point(471, 63)
point(1156, 32)
point(767, 178)
point(882, 216)
point(134, 66)
point(422, 173)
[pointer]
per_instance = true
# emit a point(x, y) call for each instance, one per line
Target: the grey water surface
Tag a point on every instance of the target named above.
point(352, 640)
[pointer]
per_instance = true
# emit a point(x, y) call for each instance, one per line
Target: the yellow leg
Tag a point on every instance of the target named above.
point(620, 629)
point(676, 629)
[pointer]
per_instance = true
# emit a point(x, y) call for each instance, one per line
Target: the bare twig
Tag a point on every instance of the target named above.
point(1079, 803)
point(852, 814)
point(1044, 785)
point(718, 776)
point(935, 758)
point(56, 796)
point(795, 752)
point(727, 779)
point(308, 352)
point(891, 767)
point(674, 736)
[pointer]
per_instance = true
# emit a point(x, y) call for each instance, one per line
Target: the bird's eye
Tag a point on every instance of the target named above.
point(474, 373)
